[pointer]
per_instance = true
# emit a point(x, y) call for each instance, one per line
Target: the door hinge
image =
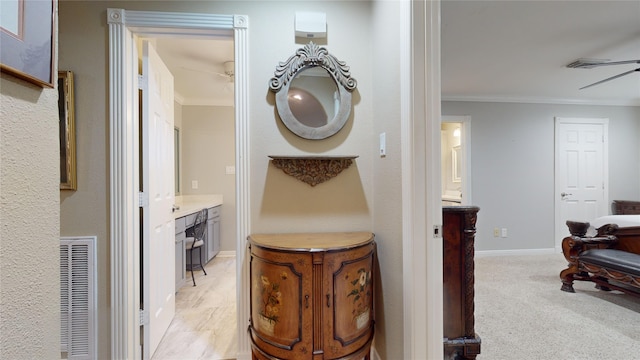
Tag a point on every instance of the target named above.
point(437, 231)
point(143, 199)
point(144, 317)
point(142, 82)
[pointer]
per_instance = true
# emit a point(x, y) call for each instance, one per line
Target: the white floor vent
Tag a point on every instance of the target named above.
point(78, 322)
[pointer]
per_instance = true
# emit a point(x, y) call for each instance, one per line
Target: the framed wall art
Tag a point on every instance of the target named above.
point(27, 37)
point(67, 131)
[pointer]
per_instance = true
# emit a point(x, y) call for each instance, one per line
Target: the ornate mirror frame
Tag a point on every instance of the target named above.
point(312, 55)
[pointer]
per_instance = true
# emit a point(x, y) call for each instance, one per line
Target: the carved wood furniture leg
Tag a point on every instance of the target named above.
point(599, 286)
point(578, 242)
point(571, 246)
point(566, 276)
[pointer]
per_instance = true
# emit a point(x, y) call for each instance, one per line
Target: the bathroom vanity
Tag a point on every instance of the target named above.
point(185, 216)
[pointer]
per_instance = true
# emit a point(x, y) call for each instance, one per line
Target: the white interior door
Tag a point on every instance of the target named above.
point(158, 185)
point(581, 172)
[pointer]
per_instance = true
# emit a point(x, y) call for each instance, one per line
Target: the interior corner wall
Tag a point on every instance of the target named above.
point(177, 123)
point(512, 170)
point(29, 214)
point(387, 175)
point(208, 147)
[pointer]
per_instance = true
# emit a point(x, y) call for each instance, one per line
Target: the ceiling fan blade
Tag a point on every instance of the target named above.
point(591, 63)
point(227, 76)
point(611, 78)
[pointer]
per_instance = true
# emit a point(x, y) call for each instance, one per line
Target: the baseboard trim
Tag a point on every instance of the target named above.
point(487, 253)
point(227, 253)
point(374, 354)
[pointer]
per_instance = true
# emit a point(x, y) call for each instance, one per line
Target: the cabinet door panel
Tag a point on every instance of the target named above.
point(281, 303)
point(348, 279)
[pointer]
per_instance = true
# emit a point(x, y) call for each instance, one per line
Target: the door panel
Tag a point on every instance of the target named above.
point(348, 316)
point(281, 302)
point(158, 183)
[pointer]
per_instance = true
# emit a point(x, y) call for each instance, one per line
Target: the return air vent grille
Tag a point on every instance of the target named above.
point(78, 298)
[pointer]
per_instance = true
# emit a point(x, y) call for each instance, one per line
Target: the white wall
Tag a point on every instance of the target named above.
point(512, 168)
point(29, 215)
point(208, 146)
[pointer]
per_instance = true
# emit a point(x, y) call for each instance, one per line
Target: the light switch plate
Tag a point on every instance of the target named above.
point(383, 144)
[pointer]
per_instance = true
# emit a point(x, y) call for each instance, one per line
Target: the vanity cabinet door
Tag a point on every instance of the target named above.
point(180, 253)
point(348, 289)
point(213, 232)
point(281, 303)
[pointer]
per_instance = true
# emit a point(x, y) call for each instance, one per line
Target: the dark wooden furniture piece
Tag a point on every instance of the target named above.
point(610, 259)
point(625, 207)
point(312, 295)
point(460, 338)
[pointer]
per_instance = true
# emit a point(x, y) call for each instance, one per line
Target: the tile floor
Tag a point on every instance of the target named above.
point(204, 327)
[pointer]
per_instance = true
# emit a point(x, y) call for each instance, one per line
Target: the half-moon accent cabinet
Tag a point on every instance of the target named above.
point(312, 295)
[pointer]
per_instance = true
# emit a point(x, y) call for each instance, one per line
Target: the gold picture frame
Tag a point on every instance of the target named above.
point(66, 112)
point(27, 40)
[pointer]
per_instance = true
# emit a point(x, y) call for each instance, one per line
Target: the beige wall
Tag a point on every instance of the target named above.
point(208, 146)
point(387, 180)
point(281, 203)
point(364, 197)
point(29, 229)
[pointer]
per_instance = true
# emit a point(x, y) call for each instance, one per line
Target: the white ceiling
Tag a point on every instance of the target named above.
point(198, 69)
point(514, 50)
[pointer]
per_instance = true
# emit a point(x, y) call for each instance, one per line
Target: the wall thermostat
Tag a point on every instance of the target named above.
point(311, 24)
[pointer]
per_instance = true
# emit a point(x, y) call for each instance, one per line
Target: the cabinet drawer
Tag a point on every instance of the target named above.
point(189, 219)
point(213, 212)
point(181, 224)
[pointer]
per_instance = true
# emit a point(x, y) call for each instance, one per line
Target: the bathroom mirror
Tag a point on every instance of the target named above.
point(313, 92)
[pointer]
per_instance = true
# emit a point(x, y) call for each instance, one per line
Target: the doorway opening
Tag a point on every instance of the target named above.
point(455, 160)
point(124, 27)
point(204, 169)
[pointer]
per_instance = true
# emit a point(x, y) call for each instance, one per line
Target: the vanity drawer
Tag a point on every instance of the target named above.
point(181, 224)
point(213, 212)
point(189, 219)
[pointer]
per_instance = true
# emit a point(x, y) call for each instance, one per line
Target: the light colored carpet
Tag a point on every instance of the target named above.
point(520, 313)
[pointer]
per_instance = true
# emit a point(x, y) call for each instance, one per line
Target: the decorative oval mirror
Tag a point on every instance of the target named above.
point(313, 92)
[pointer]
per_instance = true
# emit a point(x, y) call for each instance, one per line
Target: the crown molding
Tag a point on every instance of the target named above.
point(542, 100)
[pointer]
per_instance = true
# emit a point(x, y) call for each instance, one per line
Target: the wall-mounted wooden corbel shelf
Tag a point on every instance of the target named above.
point(312, 169)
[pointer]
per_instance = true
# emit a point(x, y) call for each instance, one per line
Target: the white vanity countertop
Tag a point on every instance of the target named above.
point(191, 203)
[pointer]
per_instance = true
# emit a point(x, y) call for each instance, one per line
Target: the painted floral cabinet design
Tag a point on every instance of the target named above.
point(312, 295)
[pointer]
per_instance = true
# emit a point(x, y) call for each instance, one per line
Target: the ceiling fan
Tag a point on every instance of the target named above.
point(228, 71)
point(591, 63)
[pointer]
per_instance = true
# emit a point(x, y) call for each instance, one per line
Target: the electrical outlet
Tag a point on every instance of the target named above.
point(194, 184)
point(504, 232)
point(496, 232)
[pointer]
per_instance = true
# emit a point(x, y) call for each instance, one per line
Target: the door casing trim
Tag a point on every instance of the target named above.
point(124, 25)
